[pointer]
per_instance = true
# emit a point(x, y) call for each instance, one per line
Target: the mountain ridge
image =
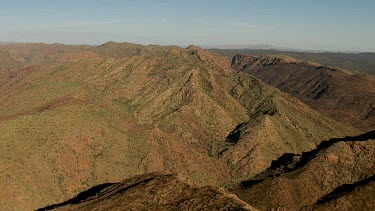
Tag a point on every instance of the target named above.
point(334, 92)
point(102, 114)
point(359, 63)
point(153, 191)
point(323, 170)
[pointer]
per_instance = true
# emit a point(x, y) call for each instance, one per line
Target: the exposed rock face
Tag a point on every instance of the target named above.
point(296, 181)
point(152, 192)
point(331, 91)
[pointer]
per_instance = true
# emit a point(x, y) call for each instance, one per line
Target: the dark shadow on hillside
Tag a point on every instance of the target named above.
point(345, 188)
point(80, 197)
point(234, 136)
point(290, 162)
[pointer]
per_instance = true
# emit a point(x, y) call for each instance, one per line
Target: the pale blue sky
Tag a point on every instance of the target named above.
point(303, 24)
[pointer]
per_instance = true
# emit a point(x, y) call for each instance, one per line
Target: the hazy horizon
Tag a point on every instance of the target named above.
point(308, 25)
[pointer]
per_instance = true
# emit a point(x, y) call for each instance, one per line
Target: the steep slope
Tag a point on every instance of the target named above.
point(295, 181)
point(76, 116)
point(152, 192)
point(334, 92)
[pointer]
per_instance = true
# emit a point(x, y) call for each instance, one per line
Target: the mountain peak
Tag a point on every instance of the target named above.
point(194, 47)
point(211, 59)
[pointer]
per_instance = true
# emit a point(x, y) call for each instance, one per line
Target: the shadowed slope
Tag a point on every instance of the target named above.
point(357, 196)
point(332, 91)
point(295, 181)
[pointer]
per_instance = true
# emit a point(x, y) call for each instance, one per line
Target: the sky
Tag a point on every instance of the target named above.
point(337, 25)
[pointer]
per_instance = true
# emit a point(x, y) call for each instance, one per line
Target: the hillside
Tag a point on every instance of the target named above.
point(332, 174)
point(334, 92)
point(360, 63)
point(152, 192)
point(73, 117)
point(356, 196)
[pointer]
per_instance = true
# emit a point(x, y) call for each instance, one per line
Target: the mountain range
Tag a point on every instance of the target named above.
point(75, 117)
point(248, 46)
point(6, 43)
point(355, 62)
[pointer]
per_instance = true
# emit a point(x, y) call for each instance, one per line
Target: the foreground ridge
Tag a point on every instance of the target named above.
point(336, 169)
point(154, 191)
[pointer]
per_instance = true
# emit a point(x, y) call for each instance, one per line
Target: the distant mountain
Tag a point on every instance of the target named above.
point(354, 62)
point(334, 92)
point(6, 43)
point(73, 117)
point(225, 49)
point(248, 46)
point(152, 192)
point(337, 175)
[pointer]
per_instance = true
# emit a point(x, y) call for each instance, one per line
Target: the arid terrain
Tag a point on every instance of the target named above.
point(334, 92)
point(338, 169)
point(81, 119)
